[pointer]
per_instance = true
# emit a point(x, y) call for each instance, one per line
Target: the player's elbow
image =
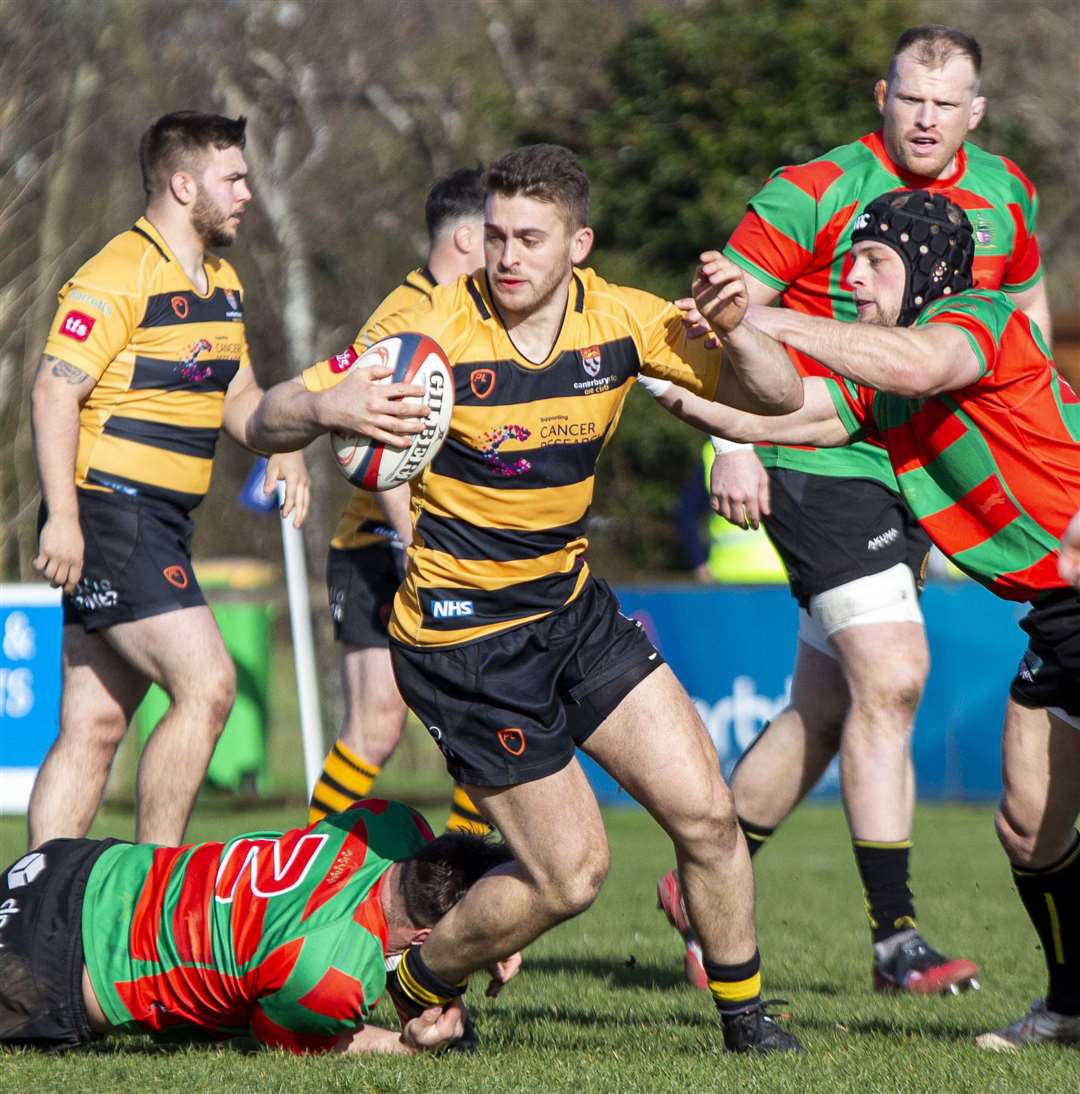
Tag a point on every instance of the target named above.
point(786, 398)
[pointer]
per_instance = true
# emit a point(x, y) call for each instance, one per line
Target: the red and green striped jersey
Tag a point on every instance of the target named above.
point(796, 237)
point(991, 470)
point(280, 936)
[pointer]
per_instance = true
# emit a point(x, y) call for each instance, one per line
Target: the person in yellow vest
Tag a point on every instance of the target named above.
point(734, 554)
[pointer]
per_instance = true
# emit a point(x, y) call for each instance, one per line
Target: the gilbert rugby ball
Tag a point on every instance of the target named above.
point(416, 359)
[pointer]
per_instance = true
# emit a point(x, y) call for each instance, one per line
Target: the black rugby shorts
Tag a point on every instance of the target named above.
point(41, 950)
point(361, 584)
point(511, 708)
point(1049, 674)
point(136, 563)
point(830, 531)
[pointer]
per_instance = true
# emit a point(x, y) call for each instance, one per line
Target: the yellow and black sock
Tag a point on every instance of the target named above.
point(413, 987)
point(883, 867)
point(735, 988)
point(757, 835)
point(464, 816)
point(345, 779)
point(1052, 899)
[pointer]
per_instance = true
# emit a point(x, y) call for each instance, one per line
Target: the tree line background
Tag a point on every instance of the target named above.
point(679, 108)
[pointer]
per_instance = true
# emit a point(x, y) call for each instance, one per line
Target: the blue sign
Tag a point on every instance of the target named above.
point(30, 629)
point(733, 648)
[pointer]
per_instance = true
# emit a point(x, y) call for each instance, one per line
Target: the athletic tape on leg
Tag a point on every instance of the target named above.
point(811, 633)
point(887, 597)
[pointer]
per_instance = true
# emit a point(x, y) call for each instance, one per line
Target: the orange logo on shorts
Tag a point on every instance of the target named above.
point(176, 576)
point(513, 740)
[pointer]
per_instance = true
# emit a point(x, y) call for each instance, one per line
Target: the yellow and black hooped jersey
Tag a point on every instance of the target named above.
point(162, 355)
point(363, 523)
point(500, 512)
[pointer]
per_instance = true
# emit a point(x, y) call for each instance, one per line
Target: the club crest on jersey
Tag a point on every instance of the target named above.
point(590, 359)
point(179, 306)
point(983, 235)
point(482, 382)
point(230, 297)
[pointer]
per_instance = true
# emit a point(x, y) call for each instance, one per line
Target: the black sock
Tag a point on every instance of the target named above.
point(757, 835)
point(735, 988)
point(1052, 899)
point(883, 868)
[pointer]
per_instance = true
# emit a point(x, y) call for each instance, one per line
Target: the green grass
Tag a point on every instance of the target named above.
point(601, 1005)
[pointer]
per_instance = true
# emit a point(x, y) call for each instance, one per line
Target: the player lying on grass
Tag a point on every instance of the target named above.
point(284, 937)
point(958, 387)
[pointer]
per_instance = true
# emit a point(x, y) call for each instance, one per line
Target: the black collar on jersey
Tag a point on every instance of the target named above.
point(579, 302)
point(429, 277)
point(146, 235)
point(478, 297)
point(482, 308)
point(485, 312)
point(933, 237)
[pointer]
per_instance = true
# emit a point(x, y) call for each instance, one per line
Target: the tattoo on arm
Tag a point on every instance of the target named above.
point(64, 371)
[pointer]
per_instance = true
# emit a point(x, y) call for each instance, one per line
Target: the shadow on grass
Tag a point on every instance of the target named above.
point(885, 1027)
point(143, 1046)
point(625, 973)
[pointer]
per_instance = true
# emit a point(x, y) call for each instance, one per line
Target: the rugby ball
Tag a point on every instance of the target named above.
point(415, 359)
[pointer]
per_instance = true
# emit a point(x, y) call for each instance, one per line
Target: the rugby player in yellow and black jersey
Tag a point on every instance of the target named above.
point(502, 643)
point(145, 361)
point(365, 564)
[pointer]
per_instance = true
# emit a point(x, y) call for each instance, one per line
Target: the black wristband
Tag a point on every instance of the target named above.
point(421, 985)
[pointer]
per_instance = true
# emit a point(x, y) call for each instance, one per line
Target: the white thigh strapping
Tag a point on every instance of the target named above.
point(811, 633)
point(887, 597)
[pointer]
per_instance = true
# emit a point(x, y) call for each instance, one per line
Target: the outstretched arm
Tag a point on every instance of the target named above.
point(759, 377)
point(816, 422)
point(913, 362)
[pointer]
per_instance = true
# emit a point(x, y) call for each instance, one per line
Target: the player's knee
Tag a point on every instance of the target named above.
point(886, 702)
point(216, 695)
point(707, 824)
point(98, 734)
point(574, 889)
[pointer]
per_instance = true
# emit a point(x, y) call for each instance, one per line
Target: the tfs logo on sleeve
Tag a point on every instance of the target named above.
point(77, 325)
point(343, 361)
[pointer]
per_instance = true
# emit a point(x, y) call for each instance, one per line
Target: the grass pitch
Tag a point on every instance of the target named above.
point(602, 1006)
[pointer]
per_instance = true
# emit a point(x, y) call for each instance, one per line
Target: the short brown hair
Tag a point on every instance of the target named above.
point(545, 172)
point(932, 44)
point(175, 140)
point(437, 876)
